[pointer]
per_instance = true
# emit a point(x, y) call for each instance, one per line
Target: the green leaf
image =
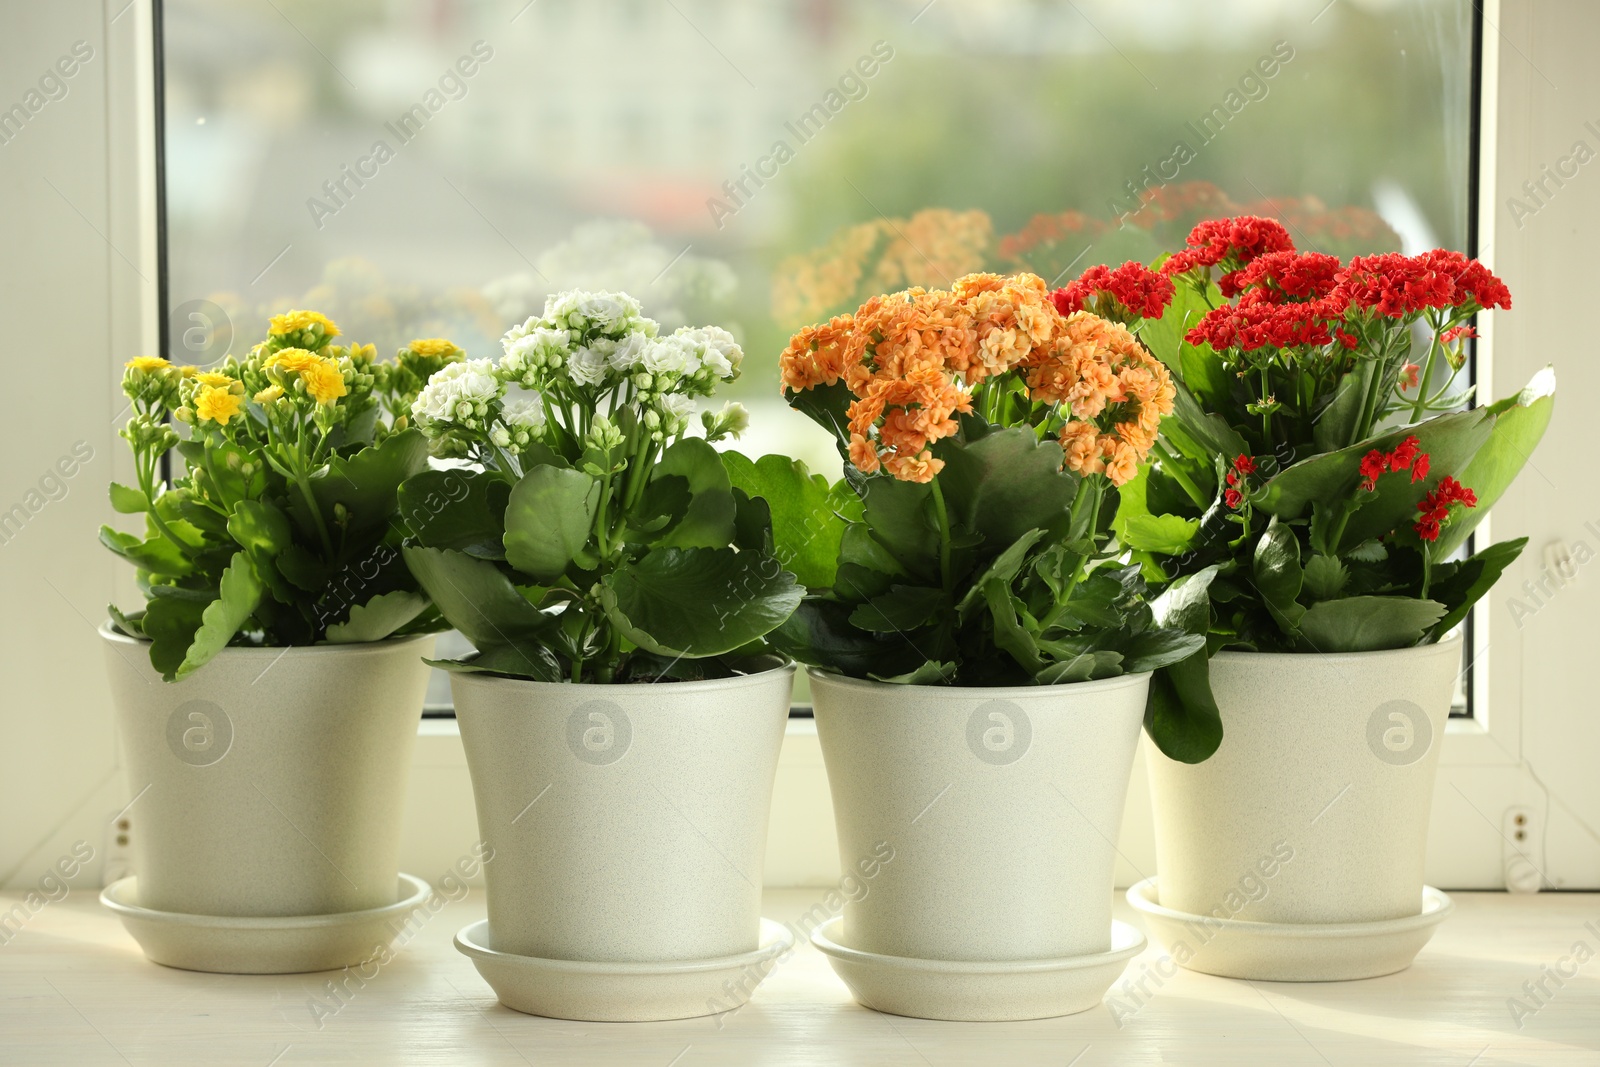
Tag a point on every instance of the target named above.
point(708, 522)
point(378, 617)
point(476, 598)
point(157, 555)
point(1520, 422)
point(825, 405)
point(1337, 422)
point(698, 601)
point(1004, 484)
point(1159, 648)
point(128, 501)
point(170, 624)
point(807, 526)
point(1142, 531)
point(1368, 623)
point(367, 483)
point(1450, 440)
point(1003, 568)
point(1181, 714)
point(459, 509)
point(899, 516)
point(549, 517)
point(1081, 667)
point(930, 673)
point(240, 593)
point(518, 661)
point(1010, 636)
point(1276, 569)
point(1325, 577)
point(132, 625)
point(259, 528)
point(902, 608)
point(1464, 583)
point(819, 633)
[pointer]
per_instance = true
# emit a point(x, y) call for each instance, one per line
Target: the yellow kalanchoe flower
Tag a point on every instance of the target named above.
point(323, 380)
point(214, 379)
point(146, 364)
point(295, 321)
point(216, 405)
point(269, 394)
point(435, 346)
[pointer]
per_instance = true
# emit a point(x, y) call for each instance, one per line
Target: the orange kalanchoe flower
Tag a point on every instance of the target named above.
point(912, 360)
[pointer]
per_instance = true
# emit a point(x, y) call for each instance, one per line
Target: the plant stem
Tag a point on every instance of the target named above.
point(944, 536)
point(1421, 403)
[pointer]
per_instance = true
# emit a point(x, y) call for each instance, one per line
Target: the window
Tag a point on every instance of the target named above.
point(435, 167)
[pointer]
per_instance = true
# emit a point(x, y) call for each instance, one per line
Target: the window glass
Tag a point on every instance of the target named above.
point(417, 168)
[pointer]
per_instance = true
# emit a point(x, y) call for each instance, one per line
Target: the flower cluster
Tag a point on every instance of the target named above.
point(1434, 507)
point(1289, 299)
point(1231, 243)
point(585, 348)
point(1124, 294)
point(912, 360)
point(1407, 455)
point(1116, 392)
point(300, 329)
point(1398, 286)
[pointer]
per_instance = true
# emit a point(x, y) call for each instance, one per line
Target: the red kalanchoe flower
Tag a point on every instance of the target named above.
point(1349, 340)
point(1244, 464)
point(1473, 281)
point(1232, 498)
point(1140, 291)
point(1435, 507)
point(1235, 241)
point(1248, 326)
point(1456, 333)
point(1373, 464)
point(1404, 454)
point(1278, 276)
point(1409, 376)
point(1407, 455)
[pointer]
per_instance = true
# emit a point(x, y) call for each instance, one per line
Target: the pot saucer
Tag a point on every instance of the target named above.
point(978, 991)
point(1289, 952)
point(624, 992)
point(262, 944)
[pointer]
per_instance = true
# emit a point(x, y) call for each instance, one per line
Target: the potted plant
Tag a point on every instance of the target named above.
point(621, 714)
point(979, 657)
point(267, 694)
point(1308, 511)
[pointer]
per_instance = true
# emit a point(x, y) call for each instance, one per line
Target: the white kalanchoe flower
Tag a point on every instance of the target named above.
point(587, 366)
point(675, 411)
point(719, 351)
point(499, 436)
point(628, 353)
point(672, 355)
point(460, 392)
point(524, 412)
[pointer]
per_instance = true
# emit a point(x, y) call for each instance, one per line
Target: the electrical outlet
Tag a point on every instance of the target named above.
point(118, 853)
point(1524, 837)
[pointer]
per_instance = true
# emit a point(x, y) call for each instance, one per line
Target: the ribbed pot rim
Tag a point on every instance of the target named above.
point(532, 686)
point(1101, 685)
point(1338, 658)
point(295, 651)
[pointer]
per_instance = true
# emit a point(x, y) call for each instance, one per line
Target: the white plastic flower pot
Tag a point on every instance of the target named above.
point(998, 810)
point(1313, 811)
point(628, 824)
point(269, 783)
